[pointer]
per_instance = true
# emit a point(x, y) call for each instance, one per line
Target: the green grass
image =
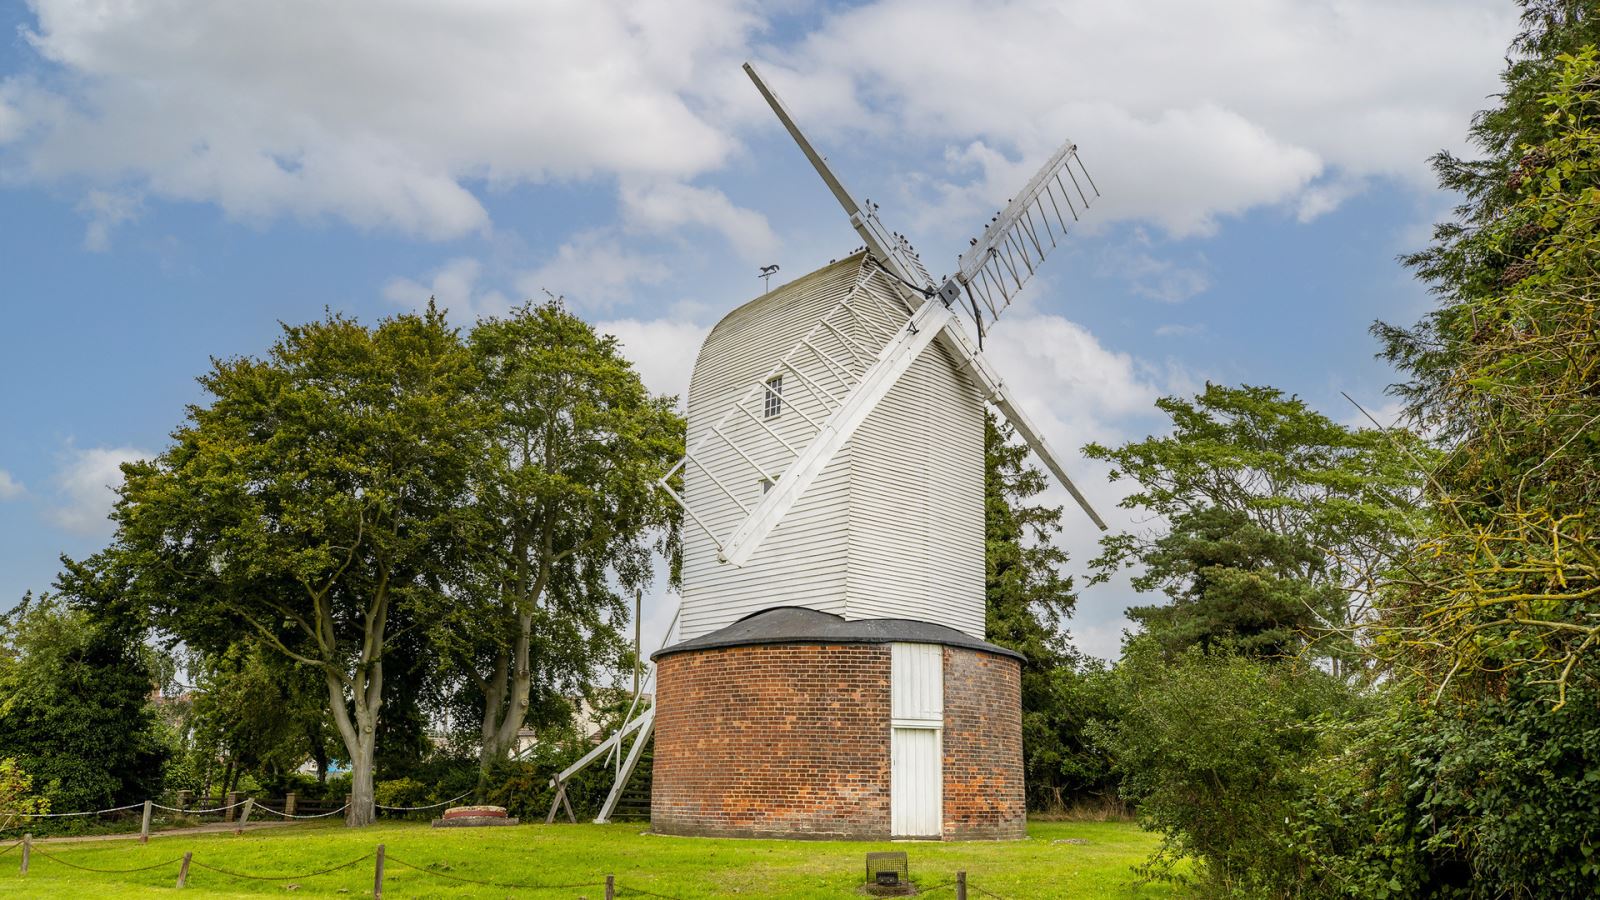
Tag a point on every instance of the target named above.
point(583, 855)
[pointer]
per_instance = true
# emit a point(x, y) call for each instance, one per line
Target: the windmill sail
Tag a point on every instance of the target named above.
point(1003, 258)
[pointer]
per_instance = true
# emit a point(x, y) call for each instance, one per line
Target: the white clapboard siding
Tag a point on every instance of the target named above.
point(892, 528)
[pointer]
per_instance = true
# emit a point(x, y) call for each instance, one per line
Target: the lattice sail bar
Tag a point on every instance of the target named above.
point(821, 372)
point(1003, 258)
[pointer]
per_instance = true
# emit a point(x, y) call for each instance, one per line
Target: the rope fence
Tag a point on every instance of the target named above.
point(92, 812)
point(194, 812)
point(420, 808)
point(378, 857)
point(53, 858)
point(494, 884)
point(237, 813)
point(232, 874)
point(332, 812)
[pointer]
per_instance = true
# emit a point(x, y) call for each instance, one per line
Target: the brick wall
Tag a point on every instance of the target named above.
point(793, 741)
point(781, 740)
point(983, 789)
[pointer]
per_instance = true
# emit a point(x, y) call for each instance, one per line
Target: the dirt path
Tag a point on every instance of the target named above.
point(216, 828)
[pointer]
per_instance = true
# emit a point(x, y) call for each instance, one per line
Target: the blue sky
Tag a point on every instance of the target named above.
point(177, 178)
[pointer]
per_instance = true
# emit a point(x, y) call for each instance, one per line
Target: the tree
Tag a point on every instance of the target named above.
point(1508, 580)
point(1027, 598)
point(1279, 521)
point(1026, 594)
point(260, 710)
point(314, 501)
point(76, 713)
point(568, 503)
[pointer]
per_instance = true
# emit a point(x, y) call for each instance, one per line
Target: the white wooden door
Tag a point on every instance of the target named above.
point(916, 783)
point(915, 789)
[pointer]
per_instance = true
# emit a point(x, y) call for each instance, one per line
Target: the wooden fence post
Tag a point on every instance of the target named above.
point(288, 803)
point(233, 798)
point(183, 870)
point(27, 851)
point(349, 808)
point(961, 886)
point(611, 887)
point(144, 825)
point(377, 876)
point(183, 800)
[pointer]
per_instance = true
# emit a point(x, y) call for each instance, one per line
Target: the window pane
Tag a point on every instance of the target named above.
point(774, 394)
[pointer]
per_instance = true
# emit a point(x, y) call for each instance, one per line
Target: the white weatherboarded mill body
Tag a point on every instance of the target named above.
point(893, 527)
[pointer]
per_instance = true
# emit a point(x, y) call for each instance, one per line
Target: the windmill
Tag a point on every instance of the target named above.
point(831, 633)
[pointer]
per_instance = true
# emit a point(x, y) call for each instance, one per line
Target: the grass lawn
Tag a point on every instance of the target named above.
point(582, 855)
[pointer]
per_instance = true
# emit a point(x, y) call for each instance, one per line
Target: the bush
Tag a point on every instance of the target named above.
point(1065, 767)
point(523, 786)
point(16, 795)
point(1501, 799)
point(1216, 752)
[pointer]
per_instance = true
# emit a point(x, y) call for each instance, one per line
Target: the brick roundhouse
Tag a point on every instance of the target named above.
point(782, 724)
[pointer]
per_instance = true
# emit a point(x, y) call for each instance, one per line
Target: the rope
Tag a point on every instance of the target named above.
point(192, 812)
point(416, 808)
point(221, 871)
point(937, 887)
point(334, 812)
point(90, 813)
point(497, 884)
point(176, 859)
point(982, 891)
point(623, 887)
point(11, 848)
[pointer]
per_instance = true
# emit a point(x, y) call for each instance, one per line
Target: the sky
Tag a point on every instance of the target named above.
point(179, 177)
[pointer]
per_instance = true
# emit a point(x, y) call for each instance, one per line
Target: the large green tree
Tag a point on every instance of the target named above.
point(1276, 521)
point(76, 690)
point(314, 500)
point(569, 513)
point(1507, 368)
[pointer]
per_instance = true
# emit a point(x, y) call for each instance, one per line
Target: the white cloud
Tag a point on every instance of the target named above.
point(106, 210)
point(1183, 111)
point(1076, 391)
point(454, 286)
point(593, 269)
point(374, 112)
point(86, 485)
point(1151, 276)
point(393, 115)
point(665, 206)
point(10, 488)
point(663, 351)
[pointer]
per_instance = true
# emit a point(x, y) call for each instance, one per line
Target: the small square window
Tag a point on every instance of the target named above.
point(773, 406)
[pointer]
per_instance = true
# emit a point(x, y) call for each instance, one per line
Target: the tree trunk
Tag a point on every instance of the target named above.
point(506, 703)
point(359, 733)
